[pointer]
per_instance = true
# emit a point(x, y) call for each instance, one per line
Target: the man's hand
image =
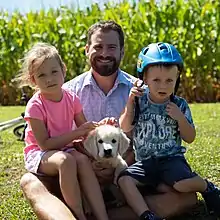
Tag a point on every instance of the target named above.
point(110, 121)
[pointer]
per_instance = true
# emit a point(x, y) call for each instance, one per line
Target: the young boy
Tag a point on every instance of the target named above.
point(162, 121)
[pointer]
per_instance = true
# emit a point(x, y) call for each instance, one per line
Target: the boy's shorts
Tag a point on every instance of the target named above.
point(153, 171)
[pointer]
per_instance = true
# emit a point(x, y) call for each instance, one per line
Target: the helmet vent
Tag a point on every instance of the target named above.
point(162, 46)
point(145, 50)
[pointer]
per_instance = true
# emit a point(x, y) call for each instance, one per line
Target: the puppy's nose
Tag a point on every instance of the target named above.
point(108, 152)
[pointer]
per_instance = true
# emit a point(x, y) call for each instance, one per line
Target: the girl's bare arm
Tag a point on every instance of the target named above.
point(52, 143)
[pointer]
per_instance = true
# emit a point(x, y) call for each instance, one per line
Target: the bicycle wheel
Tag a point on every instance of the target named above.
point(19, 131)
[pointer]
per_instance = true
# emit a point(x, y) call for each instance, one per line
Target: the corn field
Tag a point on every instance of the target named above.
point(192, 26)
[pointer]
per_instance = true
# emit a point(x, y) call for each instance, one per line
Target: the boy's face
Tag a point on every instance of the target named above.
point(49, 77)
point(161, 81)
point(104, 52)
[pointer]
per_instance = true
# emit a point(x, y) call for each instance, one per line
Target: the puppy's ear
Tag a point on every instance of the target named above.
point(124, 142)
point(90, 144)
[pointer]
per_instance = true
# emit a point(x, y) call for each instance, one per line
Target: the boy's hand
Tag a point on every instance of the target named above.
point(174, 112)
point(137, 90)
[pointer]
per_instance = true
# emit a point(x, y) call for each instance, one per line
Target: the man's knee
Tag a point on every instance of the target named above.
point(171, 203)
point(31, 185)
point(44, 204)
point(26, 181)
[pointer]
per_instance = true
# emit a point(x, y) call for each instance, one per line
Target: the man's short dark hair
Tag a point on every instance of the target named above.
point(106, 26)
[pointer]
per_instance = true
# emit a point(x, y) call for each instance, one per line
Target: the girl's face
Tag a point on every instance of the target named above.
point(161, 82)
point(50, 78)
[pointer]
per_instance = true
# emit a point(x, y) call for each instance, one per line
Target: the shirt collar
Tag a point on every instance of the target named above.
point(88, 80)
point(121, 79)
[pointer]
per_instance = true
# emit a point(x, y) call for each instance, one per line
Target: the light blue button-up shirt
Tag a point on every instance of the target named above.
point(97, 105)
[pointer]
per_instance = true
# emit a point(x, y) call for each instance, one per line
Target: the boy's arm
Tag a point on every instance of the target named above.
point(128, 156)
point(127, 116)
point(187, 130)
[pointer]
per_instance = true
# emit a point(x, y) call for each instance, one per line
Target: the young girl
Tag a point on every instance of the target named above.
point(54, 119)
point(163, 120)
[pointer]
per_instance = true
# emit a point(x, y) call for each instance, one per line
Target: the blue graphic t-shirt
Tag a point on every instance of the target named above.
point(156, 133)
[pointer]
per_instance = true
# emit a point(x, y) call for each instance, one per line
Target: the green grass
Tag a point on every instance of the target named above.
point(203, 155)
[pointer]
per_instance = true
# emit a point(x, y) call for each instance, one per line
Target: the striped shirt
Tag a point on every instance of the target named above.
point(96, 104)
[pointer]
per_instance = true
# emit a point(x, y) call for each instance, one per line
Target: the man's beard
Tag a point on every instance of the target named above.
point(105, 69)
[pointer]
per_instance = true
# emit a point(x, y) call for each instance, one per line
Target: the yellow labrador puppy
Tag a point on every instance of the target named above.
point(107, 144)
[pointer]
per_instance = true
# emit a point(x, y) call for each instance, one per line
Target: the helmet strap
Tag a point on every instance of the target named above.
point(136, 111)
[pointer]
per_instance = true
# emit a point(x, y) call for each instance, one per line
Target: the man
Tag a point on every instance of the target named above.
point(103, 92)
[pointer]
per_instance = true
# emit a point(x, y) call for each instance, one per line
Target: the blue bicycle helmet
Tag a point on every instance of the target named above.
point(158, 53)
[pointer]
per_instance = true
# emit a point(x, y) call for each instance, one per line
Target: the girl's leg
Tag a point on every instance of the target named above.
point(90, 185)
point(64, 164)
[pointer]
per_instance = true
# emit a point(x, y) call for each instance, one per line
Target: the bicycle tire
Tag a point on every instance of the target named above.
point(19, 131)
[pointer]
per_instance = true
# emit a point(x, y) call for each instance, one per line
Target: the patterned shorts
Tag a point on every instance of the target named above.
point(34, 157)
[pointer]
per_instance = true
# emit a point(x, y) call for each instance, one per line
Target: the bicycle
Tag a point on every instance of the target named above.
point(19, 130)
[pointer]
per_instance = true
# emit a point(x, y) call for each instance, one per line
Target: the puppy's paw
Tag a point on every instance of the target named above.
point(119, 203)
point(87, 209)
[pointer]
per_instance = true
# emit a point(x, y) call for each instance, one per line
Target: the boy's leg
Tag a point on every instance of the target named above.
point(193, 184)
point(64, 164)
point(169, 202)
point(211, 196)
point(45, 205)
point(178, 173)
point(133, 196)
point(209, 191)
point(129, 179)
point(90, 185)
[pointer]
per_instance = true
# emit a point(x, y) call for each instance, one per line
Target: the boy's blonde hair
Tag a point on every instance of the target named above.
point(34, 58)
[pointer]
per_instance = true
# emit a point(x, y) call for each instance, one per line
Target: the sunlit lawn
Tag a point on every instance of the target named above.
point(203, 155)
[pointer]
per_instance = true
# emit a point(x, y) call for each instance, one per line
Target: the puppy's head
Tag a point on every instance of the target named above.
point(106, 141)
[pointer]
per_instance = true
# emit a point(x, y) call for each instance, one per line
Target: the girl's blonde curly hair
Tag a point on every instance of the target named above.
point(34, 58)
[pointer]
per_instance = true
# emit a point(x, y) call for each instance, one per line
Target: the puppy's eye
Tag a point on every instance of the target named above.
point(114, 141)
point(100, 141)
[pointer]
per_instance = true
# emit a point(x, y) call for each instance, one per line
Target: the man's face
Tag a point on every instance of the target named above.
point(104, 52)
